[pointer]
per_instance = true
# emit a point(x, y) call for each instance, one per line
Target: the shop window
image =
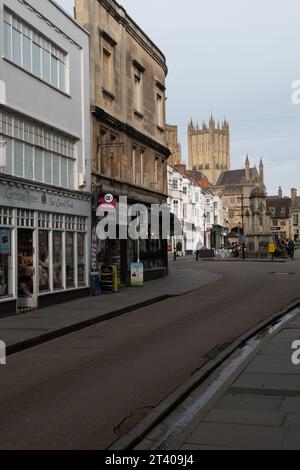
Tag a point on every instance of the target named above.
point(57, 261)
point(81, 224)
point(25, 218)
point(70, 260)
point(44, 278)
point(58, 221)
point(44, 220)
point(5, 263)
point(81, 259)
point(6, 216)
point(70, 223)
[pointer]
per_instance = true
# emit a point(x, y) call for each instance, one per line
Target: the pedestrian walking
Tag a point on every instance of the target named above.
point(179, 249)
point(291, 249)
point(198, 249)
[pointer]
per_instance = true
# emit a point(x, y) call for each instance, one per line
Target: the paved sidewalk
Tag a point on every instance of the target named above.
point(260, 407)
point(22, 330)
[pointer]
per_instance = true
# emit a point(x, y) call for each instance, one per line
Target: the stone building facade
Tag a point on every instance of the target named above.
point(280, 210)
point(295, 214)
point(209, 148)
point(173, 144)
point(235, 188)
point(129, 151)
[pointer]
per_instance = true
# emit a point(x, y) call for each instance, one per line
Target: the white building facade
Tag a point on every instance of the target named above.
point(187, 203)
point(200, 212)
point(216, 227)
point(45, 204)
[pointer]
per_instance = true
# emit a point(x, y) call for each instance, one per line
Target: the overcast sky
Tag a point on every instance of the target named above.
point(236, 59)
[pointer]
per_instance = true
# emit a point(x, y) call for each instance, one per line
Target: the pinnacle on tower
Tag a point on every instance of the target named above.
point(261, 171)
point(247, 169)
point(212, 123)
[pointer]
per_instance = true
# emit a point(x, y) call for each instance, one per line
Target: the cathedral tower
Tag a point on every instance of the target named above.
point(209, 148)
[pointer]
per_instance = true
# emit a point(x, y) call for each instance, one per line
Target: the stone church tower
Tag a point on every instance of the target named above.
point(209, 148)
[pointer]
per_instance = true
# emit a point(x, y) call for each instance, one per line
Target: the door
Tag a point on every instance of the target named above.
point(26, 271)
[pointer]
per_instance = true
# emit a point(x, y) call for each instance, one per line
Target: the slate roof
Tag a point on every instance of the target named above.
point(280, 207)
point(236, 177)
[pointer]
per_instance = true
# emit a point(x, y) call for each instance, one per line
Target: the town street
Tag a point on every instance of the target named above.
point(88, 388)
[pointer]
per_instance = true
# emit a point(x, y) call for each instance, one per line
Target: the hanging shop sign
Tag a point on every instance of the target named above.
point(108, 203)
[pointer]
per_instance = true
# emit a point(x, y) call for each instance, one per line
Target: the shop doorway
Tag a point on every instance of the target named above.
point(26, 270)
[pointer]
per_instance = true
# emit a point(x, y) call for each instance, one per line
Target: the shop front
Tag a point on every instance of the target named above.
point(44, 246)
point(122, 253)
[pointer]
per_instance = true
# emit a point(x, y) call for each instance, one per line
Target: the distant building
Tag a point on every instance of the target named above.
point(186, 201)
point(200, 212)
point(295, 214)
point(280, 210)
point(173, 145)
point(209, 148)
point(235, 188)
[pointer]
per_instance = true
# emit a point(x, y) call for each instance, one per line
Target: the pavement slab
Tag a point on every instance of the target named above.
point(237, 435)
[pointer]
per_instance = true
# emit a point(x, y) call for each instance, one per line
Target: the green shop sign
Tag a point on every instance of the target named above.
point(19, 197)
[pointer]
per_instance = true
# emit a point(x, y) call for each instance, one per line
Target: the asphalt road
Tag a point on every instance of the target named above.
point(84, 390)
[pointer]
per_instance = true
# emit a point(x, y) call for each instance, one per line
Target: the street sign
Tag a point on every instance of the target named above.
point(5, 244)
point(272, 248)
point(137, 275)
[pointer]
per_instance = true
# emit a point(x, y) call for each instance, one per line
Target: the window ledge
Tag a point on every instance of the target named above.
point(108, 94)
point(138, 114)
point(36, 77)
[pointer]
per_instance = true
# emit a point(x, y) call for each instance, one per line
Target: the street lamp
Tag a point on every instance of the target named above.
point(239, 232)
